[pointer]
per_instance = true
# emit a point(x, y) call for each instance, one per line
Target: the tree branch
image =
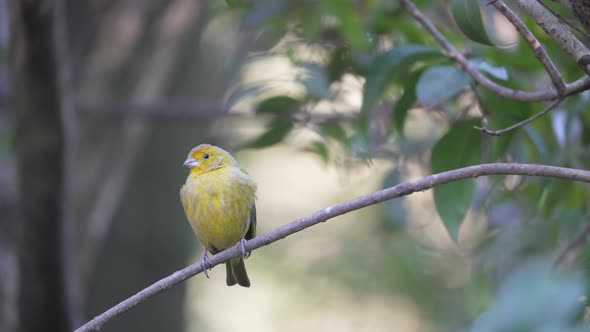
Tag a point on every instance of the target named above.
point(536, 46)
point(161, 109)
point(399, 190)
point(558, 32)
point(456, 56)
point(181, 110)
point(549, 108)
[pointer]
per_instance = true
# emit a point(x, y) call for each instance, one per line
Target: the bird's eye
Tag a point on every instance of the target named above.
point(205, 156)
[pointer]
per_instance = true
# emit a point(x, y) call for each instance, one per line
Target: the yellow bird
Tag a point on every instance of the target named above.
point(218, 200)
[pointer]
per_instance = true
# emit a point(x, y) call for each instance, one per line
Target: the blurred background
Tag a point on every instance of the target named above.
point(321, 102)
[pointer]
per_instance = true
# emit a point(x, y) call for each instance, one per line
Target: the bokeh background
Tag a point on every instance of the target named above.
point(281, 84)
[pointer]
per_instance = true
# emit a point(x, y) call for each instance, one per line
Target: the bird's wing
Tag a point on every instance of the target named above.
point(251, 233)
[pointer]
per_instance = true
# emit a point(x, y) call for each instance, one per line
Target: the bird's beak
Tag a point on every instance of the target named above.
point(190, 162)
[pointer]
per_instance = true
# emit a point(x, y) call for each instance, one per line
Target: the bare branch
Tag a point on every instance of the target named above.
point(163, 109)
point(536, 46)
point(179, 110)
point(551, 107)
point(455, 55)
point(399, 190)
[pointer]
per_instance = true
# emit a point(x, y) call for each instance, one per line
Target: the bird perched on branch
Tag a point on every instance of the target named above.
point(218, 200)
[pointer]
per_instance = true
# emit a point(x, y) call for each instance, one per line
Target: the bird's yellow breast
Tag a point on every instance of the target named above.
point(218, 204)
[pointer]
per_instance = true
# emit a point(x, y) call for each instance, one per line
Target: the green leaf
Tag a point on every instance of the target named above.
point(406, 101)
point(467, 15)
point(535, 297)
point(339, 64)
point(279, 105)
point(6, 134)
point(334, 130)
point(440, 83)
point(275, 133)
point(387, 67)
point(459, 147)
point(538, 144)
point(235, 4)
point(350, 23)
point(498, 72)
point(501, 113)
point(315, 80)
point(319, 148)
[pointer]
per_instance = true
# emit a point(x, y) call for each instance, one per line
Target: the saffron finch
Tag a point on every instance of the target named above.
point(218, 200)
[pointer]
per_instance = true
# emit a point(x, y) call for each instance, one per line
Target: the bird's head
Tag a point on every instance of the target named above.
point(206, 157)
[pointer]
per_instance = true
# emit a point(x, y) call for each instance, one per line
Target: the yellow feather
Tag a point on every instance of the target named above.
point(218, 200)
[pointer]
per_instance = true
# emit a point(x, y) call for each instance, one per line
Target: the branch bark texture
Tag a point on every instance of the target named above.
point(557, 31)
point(323, 215)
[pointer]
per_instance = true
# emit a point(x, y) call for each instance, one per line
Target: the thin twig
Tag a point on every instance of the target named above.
point(551, 107)
point(572, 247)
point(453, 54)
point(538, 50)
point(320, 216)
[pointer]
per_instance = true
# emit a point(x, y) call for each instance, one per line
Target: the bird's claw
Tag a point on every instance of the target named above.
point(245, 253)
point(205, 264)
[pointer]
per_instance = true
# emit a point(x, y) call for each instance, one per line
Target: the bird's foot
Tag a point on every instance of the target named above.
point(245, 253)
point(205, 264)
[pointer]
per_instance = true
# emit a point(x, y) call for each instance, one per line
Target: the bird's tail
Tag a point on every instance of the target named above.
point(236, 272)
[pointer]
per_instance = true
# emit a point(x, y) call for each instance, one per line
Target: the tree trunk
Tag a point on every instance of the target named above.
point(40, 153)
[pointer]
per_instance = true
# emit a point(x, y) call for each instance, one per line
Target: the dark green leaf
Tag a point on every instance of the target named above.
point(439, 83)
point(538, 144)
point(387, 67)
point(6, 135)
point(320, 149)
point(467, 15)
point(501, 113)
point(235, 4)
point(275, 133)
point(459, 147)
point(279, 105)
point(350, 23)
point(405, 102)
point(340, 63)
point(333, 130)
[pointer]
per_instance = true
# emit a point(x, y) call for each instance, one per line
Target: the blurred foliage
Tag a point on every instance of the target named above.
point(509, 288)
